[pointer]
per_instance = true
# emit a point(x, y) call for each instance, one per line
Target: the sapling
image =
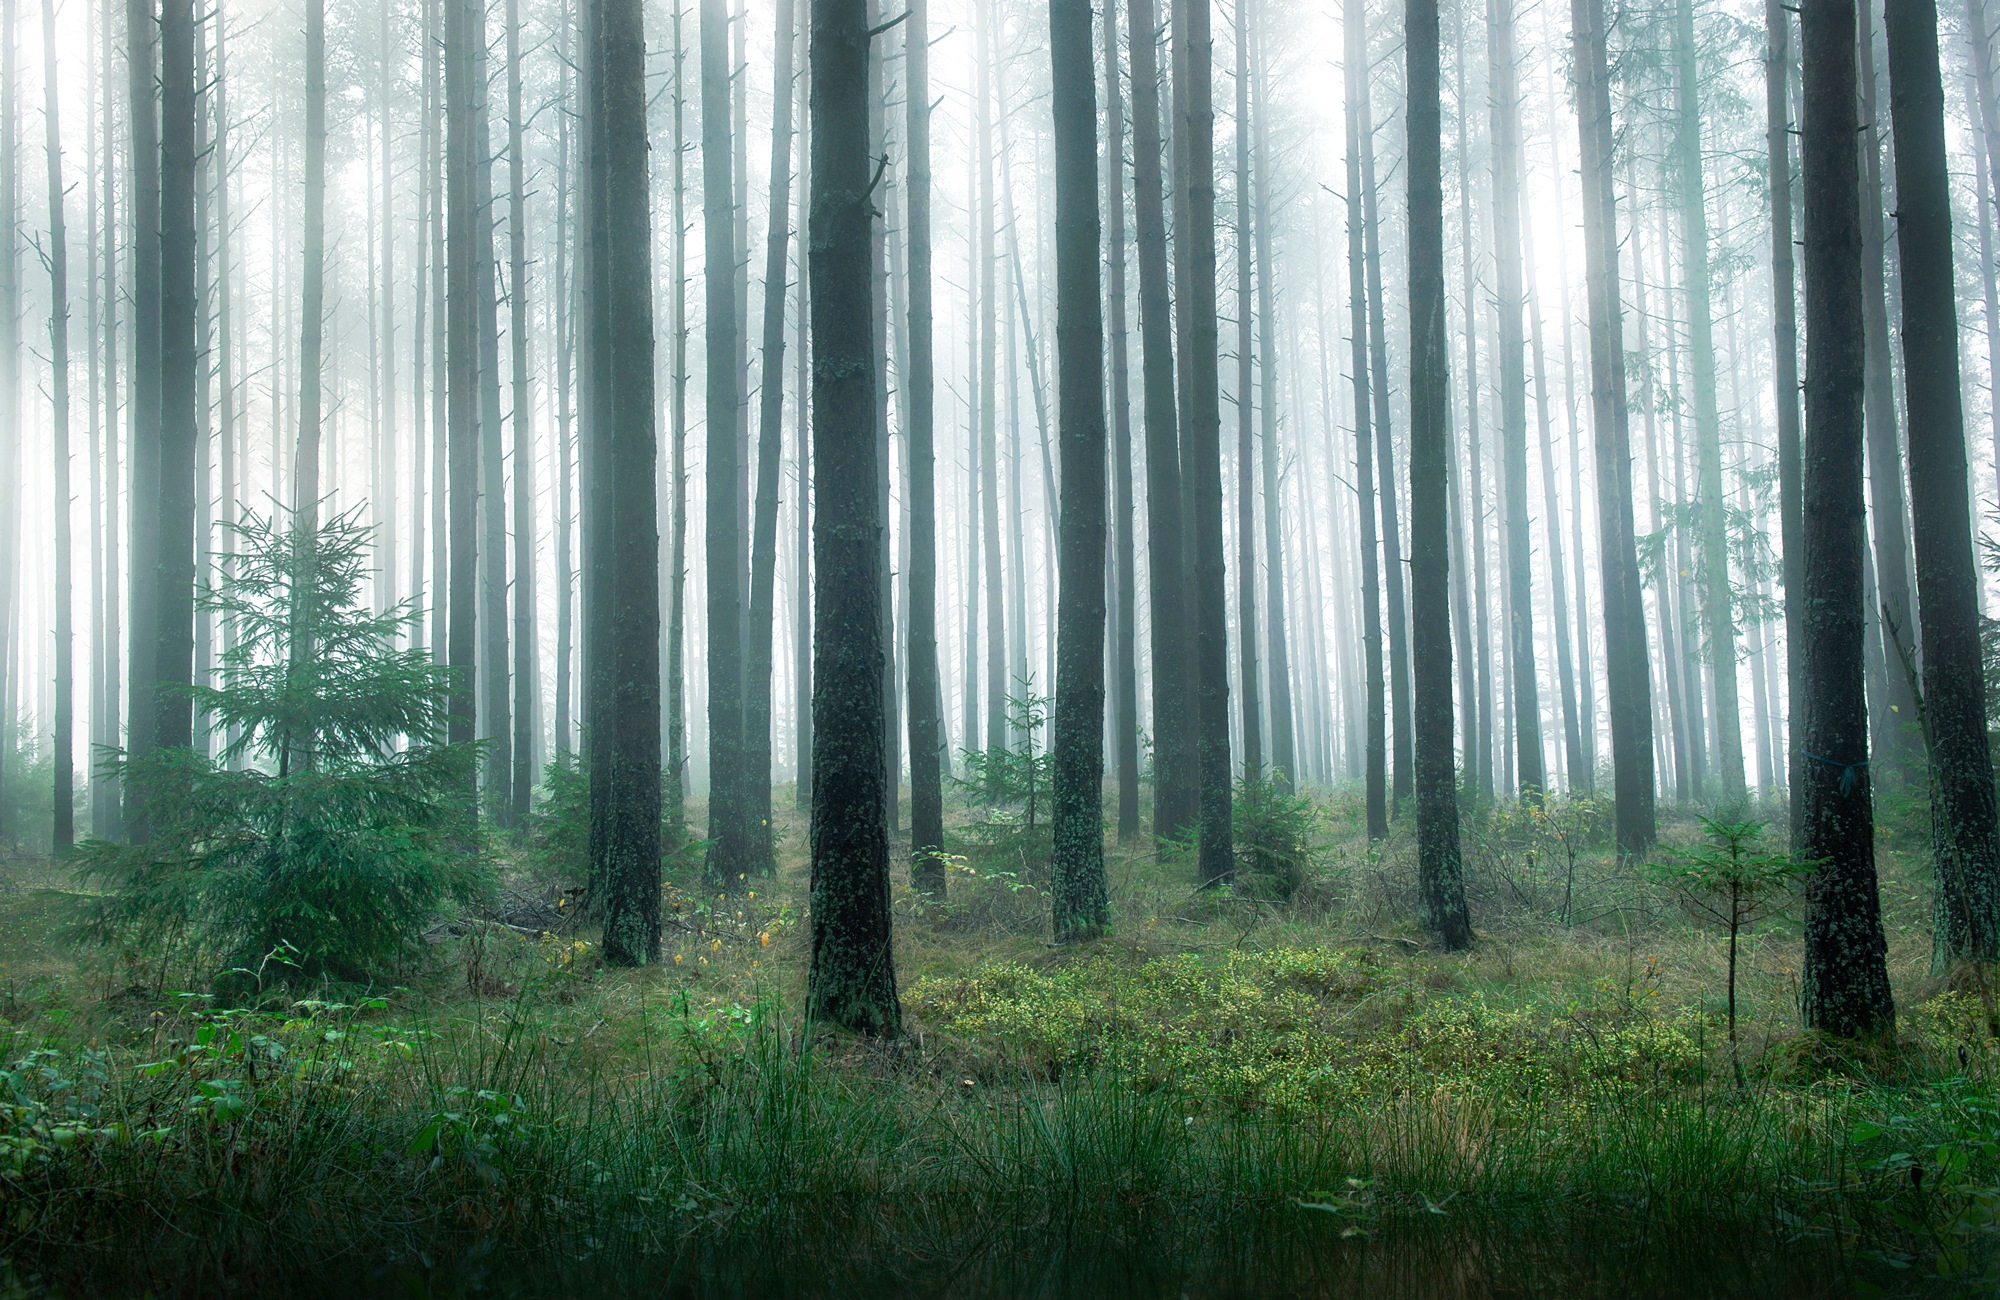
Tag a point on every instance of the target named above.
point(1734, 882)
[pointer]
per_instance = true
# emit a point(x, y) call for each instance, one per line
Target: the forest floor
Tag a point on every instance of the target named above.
point(1274, 1089)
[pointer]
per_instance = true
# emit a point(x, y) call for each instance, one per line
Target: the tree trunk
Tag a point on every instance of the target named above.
point(462, 362)
point(1125, 650)
point(57, 257)
point(1355, 61)
point(527, 670)
point(852, 981)
point(565, 343)
point(1509, 298)
point(921, 656)
point(1195, 133)
point(626, 843)
point(10, 370)
point(496, 671)
point(1479, 708)
point(1249, 704)
point(1718, 609)
point(1965, 827)
point(677, 729)
point(730, 853)
point(1845, 984)
point(1077, 884)
point(1440, 878)
point(1628, 686)
point(173, 663)
point(802, 447)
point(1174, 772)
point(1785, 347)
point(1284, 746)
point(989, 457)
point(144, 487)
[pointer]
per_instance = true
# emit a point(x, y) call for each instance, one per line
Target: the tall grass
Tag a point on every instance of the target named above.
point(313, 1155)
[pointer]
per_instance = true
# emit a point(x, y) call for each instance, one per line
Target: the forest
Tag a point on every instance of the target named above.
point(999, 647)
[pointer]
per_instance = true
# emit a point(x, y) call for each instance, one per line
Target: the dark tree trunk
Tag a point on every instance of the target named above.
point(565, 343)
point(1440, 878)
point(1355, 58)
point(1077, 885)
point(1174, 778)
point(57, 256)
point(1125, 650)
point(1194, 131)
point(1965, 828)
point(173, 663)
point(921, 657)
point(626, 841)
point(802, 642)
point(756, 756)
point(144, 487)
point(1627, 676)
point(10, 366)
point(527, 672)
point(989, 457)
point(1478, 778)
point(1509, 298)
point(1785, 346)
point(852, 981)
point(107, 813)
point(730, 853)
point(676, 719)
point(1845, 985)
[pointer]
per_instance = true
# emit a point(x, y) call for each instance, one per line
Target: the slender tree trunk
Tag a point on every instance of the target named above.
point(307, 491)
point(730, 852)
point(677, 730)
point(107, 813)
point(10, 370)
point(1785, 367)
point(1401, 773)
point(1577, 765)
point(1965, 826)
point(1174, 773)
point(802, 642)
point(385, 504)
point(144, 489)
point(173, 663)
point(1249, 704)
point(462, 363)
point(1284, 746)
point(495, 682)
point(1509, 298)
point(852, 981)
point(1479, 710)
point(1897, 735)
point(527, 671)
point(1441, 880)
point(1628, 686)
point(1355, 60)
point(989, 459)
point(1845, 984)
point(565, 344)
point(57, 256)
point(1718, 609)
point(921, 655)
point(1195, 132)
point(1125, 649)
point(756, 786)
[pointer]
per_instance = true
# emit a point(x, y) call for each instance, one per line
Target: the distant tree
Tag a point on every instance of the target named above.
point(1375, 742)
point(56, 254)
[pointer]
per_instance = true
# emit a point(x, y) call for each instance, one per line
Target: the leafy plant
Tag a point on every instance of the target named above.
point(1273, 833)
point(1013, 785)
point(337, 821)
point(1732, 882)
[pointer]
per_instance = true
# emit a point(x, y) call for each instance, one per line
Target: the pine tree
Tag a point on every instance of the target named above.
point(1375, 741)
point(57, 256)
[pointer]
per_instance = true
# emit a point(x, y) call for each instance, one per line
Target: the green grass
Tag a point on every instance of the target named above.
point(1229, 1096)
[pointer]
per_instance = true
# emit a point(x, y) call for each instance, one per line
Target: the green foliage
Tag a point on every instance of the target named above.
point(337, 823)
point(27, 789)
point(1012, 787)
point(557, 841)
point(1274, 834)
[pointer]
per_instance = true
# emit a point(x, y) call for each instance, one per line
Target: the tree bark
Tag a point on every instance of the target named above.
point(495, 669)
point(1249, 703)
point(527, 671)
point(1125, 649)
point(1278, 665)
point(1845, 984)
point(462, 369)
point(852, 981)
point(144, 487)
point(1440, 877)
point(1628, 684)
point(1174, 771)
point(173, 663)
point(57, 256)
point(1785, 348)
point(626, 839)
point(1965, 826)
point(1375, 743)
